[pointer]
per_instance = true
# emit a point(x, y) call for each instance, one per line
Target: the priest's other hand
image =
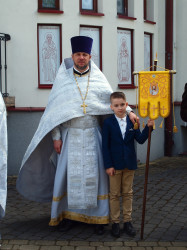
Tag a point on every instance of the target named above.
point(134, 118)
point(57, 145)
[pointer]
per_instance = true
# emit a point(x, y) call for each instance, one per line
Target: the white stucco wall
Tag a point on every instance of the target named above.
point(20, 19)
point(180, 48)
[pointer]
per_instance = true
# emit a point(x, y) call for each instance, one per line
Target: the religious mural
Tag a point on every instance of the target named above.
point(124, 57)
point(94, 34)
point(49, 53)
point(49, 58)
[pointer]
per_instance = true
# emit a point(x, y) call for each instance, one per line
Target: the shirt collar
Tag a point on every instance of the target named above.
point(80, 73)
point(119, 119)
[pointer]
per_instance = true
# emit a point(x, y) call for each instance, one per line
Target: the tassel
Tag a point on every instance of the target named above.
point(154, 126)
point(175, 129)
point(135, 125)
point(161, 124)
point(143, 125)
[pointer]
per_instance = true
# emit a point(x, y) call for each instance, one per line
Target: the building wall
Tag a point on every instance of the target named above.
point(21, 128)
point(20, 18)
point(180, 64)
point(180, 49)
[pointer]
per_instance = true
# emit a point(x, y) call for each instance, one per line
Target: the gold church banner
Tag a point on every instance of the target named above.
point(154, 94)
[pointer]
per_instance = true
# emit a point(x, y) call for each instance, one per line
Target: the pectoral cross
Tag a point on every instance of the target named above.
point(84, 107)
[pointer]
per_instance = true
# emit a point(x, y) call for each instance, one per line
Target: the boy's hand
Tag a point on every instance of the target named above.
point(110, 171)
point(150, 123)
point(134, 118)
point(57, 145)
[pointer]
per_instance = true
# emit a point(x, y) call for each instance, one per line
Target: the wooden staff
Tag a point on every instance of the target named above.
point(146, 171)
point(145, 182)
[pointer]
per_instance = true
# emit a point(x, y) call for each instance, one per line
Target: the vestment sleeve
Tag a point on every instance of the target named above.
point(128, 110)
point(56, 133)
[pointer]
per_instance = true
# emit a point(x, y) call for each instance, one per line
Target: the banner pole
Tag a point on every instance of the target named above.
point(146, 172)
point(145, 183)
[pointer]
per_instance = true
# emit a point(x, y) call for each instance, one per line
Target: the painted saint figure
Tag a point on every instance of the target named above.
point(123, 62)
point(49, 58)
point(154, 89)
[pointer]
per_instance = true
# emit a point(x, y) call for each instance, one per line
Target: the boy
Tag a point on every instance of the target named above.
point(120, 160)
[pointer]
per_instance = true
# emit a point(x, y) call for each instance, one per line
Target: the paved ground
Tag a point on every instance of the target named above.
point(25, 225)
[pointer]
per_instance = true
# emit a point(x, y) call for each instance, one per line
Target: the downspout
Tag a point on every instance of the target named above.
point(169, 65)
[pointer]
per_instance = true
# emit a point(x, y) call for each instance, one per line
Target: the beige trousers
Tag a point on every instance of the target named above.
point(121, 185)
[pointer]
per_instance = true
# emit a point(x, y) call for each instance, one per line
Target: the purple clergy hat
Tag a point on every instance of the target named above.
point(81, 44)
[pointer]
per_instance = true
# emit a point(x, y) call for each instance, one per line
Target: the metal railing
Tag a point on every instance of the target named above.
point(3, 38)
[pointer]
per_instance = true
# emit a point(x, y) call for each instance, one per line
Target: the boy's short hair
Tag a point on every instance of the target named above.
point(117, 94)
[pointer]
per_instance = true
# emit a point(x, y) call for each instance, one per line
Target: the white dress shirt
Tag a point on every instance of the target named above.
point(122, 124)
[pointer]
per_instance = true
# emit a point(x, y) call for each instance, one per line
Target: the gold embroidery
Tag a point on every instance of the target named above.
point(79, 217)
point(154, 94)
point(60, 197)
point(103, 197)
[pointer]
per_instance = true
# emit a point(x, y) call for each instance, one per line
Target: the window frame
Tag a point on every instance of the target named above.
point(125, 4)
point(40, 85)
point(94, 10)
point(49, 10)
point(57, 5)
point(100, 41)
point(151, 49)
point(126, 11)
point(145, 13)
point(145, 10)
point(131, 85)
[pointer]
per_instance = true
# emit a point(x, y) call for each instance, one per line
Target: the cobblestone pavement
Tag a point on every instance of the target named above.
point(25, 225)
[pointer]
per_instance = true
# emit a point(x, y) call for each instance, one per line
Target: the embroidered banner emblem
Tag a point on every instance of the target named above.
point(154, 94)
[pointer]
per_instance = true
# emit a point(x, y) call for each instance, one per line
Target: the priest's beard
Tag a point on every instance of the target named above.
point(81, 67)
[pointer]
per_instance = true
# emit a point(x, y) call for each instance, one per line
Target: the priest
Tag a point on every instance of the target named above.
point(63, 163)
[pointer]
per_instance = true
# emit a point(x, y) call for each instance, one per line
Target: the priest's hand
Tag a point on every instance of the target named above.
point(134, 118)
point(110, 171)
point(57, 145)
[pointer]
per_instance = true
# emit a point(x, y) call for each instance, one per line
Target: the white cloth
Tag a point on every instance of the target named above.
point(36, 177)
point(122, 124)
point(3, 157)
point(42, 180)
point(82, 149)
point(82, 162)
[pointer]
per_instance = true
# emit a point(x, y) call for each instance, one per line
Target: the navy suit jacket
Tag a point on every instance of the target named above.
point(118, 152)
